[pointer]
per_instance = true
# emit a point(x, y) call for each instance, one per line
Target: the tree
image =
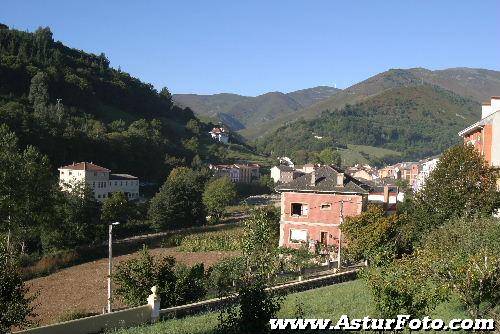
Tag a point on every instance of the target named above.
point(461, 185)
point(39, 92)
point(218, 194)
point(256, 306)
point(464, 258)
point(75, 220)
point(115, 208)
point(166, 96)
point(177, 285)
point(329, 156)
point(26, 187)
point(260, 240)
point(15, 304)
point(179, 201)
point(372, 236)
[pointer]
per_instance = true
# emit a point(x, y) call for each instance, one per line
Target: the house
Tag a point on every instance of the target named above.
point(284, 174)
point(229, 171)
point(220, 134)
point(426, 168)
point(484, 135)
point(307, 168)
point(389, 171)
point(99, 179)
point(286, 161)
point(365, 172)
point(248, 172)
point(385, 192)
point(314, 205)
point(238, 173)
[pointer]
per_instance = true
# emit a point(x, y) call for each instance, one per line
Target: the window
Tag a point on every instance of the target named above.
point(300, 209)
point(95, 174)
point(98, 196)
point(326, 206)
point(116, 183)
point(69, 173)
point(297, 236)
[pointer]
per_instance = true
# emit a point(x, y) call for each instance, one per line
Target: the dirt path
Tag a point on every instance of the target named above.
point(84, 288)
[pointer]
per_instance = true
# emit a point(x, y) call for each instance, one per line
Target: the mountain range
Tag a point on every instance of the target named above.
point(242, 112)
point(255, 117)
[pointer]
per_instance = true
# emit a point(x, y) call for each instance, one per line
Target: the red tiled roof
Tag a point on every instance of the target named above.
point(86, 166)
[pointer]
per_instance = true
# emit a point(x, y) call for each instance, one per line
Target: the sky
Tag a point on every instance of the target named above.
point(258, 46)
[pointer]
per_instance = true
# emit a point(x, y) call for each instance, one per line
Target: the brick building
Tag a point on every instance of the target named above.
point(314, 205)
point(484, 135)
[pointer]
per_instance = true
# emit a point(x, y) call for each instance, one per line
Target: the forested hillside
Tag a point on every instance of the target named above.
point(73, 106)
point(418, 120)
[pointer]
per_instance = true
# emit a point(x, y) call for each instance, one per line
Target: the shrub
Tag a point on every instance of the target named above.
point(226, 275)
point(256, 307)
point(176, 284)
point(172, 240)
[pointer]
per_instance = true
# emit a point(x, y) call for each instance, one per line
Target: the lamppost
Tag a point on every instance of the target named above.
point(110, 259)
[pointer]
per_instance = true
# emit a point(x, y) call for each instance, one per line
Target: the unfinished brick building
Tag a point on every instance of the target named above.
point(314, 205)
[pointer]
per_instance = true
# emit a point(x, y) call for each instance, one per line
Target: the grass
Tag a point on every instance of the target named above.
point(351, 298)
point(362, 154)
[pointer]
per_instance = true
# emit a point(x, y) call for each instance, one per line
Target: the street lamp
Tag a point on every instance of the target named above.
point(110, 259)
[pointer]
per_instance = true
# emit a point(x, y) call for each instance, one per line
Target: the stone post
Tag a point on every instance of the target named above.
point(154, 303)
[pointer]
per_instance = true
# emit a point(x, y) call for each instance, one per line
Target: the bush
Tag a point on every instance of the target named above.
point(256, 307)
point(226, 275)
point(176, 284)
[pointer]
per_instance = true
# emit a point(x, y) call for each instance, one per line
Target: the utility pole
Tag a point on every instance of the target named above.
point(340, 232)
point(110, 261)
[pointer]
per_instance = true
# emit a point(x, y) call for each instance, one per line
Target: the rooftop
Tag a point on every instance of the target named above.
point(326, 181)
point(86, 166)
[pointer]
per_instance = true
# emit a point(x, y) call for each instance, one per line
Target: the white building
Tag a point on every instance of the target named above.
point(99, 179)
point(220, 134)
point(425, 170)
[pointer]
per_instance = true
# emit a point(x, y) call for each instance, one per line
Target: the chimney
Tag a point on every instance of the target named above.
point(313, 178)
point(386, 194)
point(340, 179)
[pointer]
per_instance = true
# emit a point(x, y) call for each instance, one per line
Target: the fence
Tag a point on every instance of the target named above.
point(151, 312)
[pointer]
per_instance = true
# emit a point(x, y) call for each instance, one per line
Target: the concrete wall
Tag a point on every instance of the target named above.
point(96, 324)
point(218, 303)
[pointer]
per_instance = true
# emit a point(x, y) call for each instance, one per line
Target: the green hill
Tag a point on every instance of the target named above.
point(476, 84)
point(73, 106)
point(417, 121)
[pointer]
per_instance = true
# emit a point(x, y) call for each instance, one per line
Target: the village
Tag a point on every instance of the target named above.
point(253, 168)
